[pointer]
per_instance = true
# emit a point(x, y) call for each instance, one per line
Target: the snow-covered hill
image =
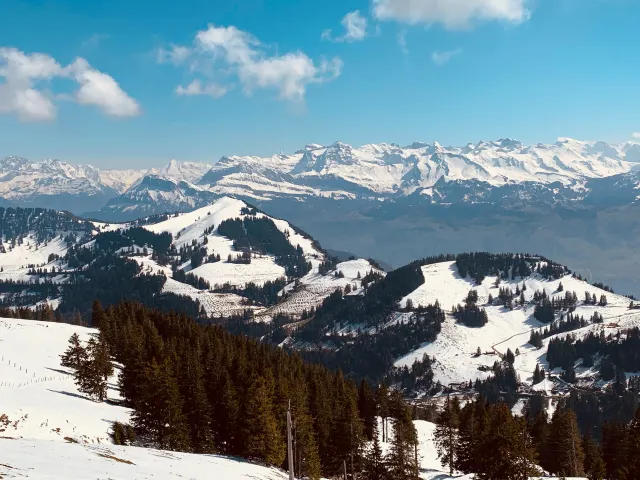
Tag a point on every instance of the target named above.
point(30, 260)
point(56, 432)
point(454, 350)
point(189, 227)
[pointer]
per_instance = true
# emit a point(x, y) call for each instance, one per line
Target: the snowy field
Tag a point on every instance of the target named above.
point(38, 395)
point(456, 344)
point(46, 460)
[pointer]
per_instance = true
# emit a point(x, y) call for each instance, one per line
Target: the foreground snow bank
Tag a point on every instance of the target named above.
point(42, 459)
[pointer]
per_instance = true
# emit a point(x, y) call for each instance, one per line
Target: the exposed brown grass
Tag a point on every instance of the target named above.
point(111, 457)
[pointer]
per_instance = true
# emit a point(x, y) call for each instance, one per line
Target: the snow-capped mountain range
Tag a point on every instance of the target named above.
point(62, 185)
point(391, 170)
point(339, 171)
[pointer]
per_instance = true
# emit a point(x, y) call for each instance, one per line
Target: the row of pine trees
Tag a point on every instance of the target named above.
point(199, 389)
point(491, 442)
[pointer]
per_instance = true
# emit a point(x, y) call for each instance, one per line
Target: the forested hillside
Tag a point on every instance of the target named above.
point(198, 389)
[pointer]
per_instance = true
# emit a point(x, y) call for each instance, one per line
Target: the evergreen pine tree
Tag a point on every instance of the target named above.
point(367, 408)
point(93, 374)
point(564, 444)
point(446, 436)
point(594, 466)
point(382, 400)
point(347, 429)
point(374, 466)
point(97, 314)
point(536, 375)
point(505, 449)
point(158, 412)
point(633, 446)
point(227, 415)
point(261, 438)
point(469, 432)
point(307, 456)
point(614, 451)
point(598, 469)
point(75, 354)
point(198, 410)
point(401, 458)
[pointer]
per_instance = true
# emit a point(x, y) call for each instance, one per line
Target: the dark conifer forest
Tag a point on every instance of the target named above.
point(199, 389)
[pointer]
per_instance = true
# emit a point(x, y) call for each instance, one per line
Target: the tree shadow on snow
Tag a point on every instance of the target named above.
point(59, 371)
point(71, 394)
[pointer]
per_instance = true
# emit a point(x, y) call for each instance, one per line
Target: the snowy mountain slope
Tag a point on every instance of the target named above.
point(15, 262)
point(189, 227)
point(455, 347)
point(216, 305)
point(155, 194)
point(122, 180)
point(48, 415)
point(184, 171)
point(52, 183)
point(199, 226)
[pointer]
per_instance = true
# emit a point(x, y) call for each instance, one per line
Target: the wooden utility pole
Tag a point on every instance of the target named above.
point(344, 464)
point(353, 473)
point(289, 445)
point(296, 452)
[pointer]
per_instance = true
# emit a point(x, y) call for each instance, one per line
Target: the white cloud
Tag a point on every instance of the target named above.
point(20, 73)
point(440, 58)
point(101, 90)
point(355, 28)
point(636, 135)
point(22, 92)
point(239, 56)
point(196, 88)
point(453, 14)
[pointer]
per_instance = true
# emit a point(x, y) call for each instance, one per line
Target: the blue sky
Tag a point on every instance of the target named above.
point(134, 83)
